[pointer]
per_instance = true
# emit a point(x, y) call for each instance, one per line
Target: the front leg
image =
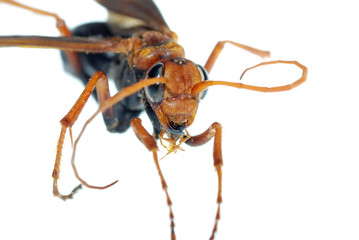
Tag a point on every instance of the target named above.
point(215, 130)
point(150, 143)
point(219, 47)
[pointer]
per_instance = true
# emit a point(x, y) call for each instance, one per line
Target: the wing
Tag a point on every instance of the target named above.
point(76, 44)
point(144, 10)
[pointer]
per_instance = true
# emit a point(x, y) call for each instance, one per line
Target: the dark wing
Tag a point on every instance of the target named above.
point(145, 10)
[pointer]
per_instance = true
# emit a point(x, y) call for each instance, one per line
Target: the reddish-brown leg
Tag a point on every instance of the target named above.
point(99, 80)
point(215, 130)
point(219, 47)
point(60, 25)
point(66, 42)
point(149, 141)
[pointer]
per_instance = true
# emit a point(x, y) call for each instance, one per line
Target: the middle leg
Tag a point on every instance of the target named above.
point(99, 80)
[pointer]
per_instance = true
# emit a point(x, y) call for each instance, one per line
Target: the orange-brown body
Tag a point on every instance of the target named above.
point(153, 75)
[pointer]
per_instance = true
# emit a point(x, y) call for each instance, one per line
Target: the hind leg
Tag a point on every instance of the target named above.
point(60, 23)
point(72, 57)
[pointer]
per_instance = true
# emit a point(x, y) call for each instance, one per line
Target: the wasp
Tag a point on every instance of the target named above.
point(138, 50)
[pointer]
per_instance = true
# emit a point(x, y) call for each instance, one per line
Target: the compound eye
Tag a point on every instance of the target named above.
point(203, 72)
point(204, 77)
point(155, 92)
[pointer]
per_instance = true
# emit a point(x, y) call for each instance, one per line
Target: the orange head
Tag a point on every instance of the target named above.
point(172, 101)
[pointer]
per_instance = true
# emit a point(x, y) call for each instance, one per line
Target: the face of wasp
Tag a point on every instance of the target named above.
point(172, 101)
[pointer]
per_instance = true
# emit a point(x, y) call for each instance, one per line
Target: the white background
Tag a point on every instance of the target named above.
point(291, 166)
